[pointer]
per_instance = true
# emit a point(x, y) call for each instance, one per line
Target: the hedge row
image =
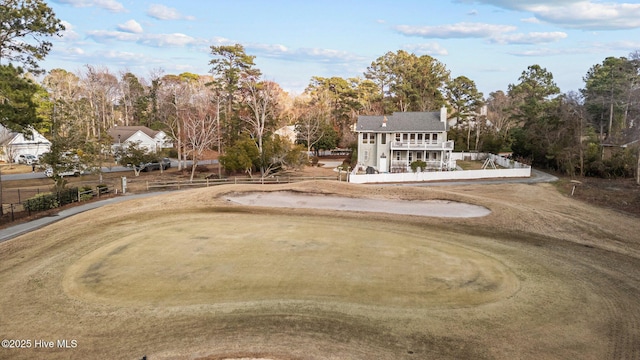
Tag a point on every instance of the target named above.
point(48, 201)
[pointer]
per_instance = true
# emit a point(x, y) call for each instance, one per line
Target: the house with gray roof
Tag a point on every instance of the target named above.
point(391, 143)
point(152, 140)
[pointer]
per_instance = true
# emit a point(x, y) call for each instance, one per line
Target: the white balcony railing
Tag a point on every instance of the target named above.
point(425, 145)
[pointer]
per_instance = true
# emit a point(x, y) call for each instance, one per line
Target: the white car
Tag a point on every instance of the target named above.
point(75, 172)
point(27, 159)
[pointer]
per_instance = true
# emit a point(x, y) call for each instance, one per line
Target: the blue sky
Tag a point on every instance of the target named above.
point(489, 41)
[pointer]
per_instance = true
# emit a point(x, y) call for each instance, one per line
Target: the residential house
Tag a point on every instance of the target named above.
point(13, 144)
point(288, 132)
point(391, 143)
point(152, 140)
point(629, 140)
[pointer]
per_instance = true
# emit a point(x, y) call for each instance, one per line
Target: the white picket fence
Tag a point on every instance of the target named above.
point(510, 169)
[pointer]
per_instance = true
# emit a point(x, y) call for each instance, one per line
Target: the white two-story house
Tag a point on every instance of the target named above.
point(391, 143)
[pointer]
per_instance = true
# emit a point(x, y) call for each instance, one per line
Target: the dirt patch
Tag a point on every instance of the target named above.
point(618, 194)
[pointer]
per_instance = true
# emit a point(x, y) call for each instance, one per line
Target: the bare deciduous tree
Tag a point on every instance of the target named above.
point(200, 122)
point(262, 101)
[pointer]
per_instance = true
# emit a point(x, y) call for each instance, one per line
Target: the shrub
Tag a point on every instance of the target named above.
point(41, 202)
point(67, 196)
point(418, 164)
point(102, 188)
point(86, 193)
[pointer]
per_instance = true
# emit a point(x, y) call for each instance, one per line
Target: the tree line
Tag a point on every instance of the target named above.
point(233, 109)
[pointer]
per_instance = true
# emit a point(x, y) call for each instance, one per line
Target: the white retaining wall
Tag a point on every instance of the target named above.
point(514, 170)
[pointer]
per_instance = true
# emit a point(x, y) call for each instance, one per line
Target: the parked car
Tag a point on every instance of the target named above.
point(27, 159)
point(73, 172)
point(165, 163)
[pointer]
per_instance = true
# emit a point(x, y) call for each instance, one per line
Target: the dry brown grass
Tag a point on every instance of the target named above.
point(14, 168)
point(190, 275)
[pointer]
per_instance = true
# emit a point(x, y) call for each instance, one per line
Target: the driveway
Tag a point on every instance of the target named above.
point(537, 176)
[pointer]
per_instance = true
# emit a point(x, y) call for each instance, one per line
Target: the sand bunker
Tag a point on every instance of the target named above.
point(433, 208)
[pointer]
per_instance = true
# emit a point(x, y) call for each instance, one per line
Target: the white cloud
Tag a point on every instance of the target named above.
point(518, 4)
point(270, 48)
point(219, 41)
point(74, 51)
point(155, 40)
point(433, 49)
point(459, 30)
point(162, 12)
point(538, 52)
point(531, 20)
point(69, 33)
point(589, 15)
point(578, 14)
point(277, 51)
point(104, 35)
point(161, 40)
point(110, 5)
point(325, 55)
point(614, 46)
point(530, 38)
point(131, 26)
point(499, 34)
point(597, 48)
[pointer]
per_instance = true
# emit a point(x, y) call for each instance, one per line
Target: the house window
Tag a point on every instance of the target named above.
point(419, 156)
point(366, 156)
point(383, 139)
point(372, 138)
point(398, 137)
point(435, 137)
point(412, 138)
point(419, 138)
point(398, 155)
point(410, 157)
point(405, 137)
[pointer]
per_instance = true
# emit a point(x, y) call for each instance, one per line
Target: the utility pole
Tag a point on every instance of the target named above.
point(1, 203)
point(637, 170)
point(218, 131)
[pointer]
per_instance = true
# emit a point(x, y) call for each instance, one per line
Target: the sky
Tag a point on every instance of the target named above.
point(489, 41)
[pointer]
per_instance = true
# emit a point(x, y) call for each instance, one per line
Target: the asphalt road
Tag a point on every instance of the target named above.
point(537, 176)
point(40, 174)
point(113, 169)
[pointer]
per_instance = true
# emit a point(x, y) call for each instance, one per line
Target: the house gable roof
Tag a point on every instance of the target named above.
point(8, 137)
point(402, 122)
point(126, 132)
